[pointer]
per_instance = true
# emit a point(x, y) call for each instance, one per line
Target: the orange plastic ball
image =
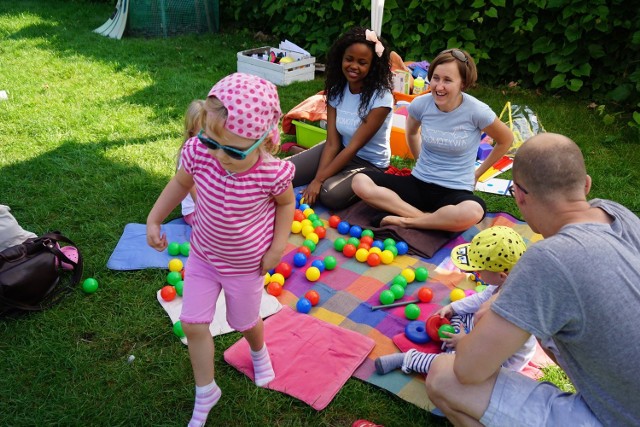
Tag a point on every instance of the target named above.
point(425, 294)
point(274, 288)
point(366, 239)
point(321, 232)
point(334, 220)
point(168, 293)
point(305, 250)
point(313, 297)
point(298, 215)
point(349, 250)
point(284, 268)
point(373, 259)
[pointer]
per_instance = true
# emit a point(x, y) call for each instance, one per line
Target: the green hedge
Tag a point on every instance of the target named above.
point(590, 47)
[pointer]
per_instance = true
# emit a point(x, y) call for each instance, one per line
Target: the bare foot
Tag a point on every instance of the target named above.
point(392, 220)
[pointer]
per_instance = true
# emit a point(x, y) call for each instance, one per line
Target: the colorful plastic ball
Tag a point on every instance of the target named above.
point(425, 294)
point(298, 215)
point(267, 278)
point(339, 243)
point(284, 268)
point(303, 305)
point(422, 274)
point(309, 244)
point(175, 265)
point(185, 249)
point(317, 223)
point(353, 241)
point(409, 274)
point(456, 294)
point(480, 288)
point(313, 297)
point(364, 246)
point(296, 227)
point(182, 273)
point(366, 239)
point(398, 291)
point(334, 220)
point(389, 242)
point(277, 277)
point(330, 262)
point(378, 244)
point(299, 197)
point(402, 247)
point(373, 259)
point(367, 233)
point(313, 217)
point(343, 227)
point(305, 223)
point(393, 250)
point(173, 249)
point(305, 250)
point(90, 285)
point(312, 274)
point(355, 231)
point(386, 257)
point(299, 259)
point(303, 207)
point(274, 288)
point(321, 232)
point(173, 277)
point(469, 292)
point(313, 237)
point(177, 329)
point(317, 263)
point(306, 230)
point(349, 250)
point(180, 287)
point(375, 250)
point(412, 311)
point(168, 293)
point(387, 297)
point(400, 280)
point(307, 212)
point(362, 254)
point(446, 328)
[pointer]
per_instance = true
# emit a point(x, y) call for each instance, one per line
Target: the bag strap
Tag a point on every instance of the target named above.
point(60, 291)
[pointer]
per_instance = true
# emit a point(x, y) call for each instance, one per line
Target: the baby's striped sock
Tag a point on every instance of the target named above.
point(415, 361)
point(206, 398)
point(262, 369)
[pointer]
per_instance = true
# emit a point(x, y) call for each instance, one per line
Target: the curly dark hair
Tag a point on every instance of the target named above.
point(379, 77)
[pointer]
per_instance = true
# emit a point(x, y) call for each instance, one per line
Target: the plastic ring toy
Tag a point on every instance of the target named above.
point(433, 323)
point(416, 332)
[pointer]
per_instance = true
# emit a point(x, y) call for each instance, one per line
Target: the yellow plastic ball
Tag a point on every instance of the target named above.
point(175, 265)
point(308, 212)
point(267, 279)
point(306, 222)
point(362, 254)
point(312, 274)
point(313, 237)
point(277, 277)
point(456, 294)
point(386, 257)
point(375, 250)
point(307, 229)
point(296, 227)
point(409, 274)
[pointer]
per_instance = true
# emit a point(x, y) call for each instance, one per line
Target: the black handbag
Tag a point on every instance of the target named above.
point(32, 277)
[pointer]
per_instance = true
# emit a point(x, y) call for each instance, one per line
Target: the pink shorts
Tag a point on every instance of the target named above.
point(202, 286)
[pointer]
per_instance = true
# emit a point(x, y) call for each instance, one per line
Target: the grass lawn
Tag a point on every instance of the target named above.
point(88, 139)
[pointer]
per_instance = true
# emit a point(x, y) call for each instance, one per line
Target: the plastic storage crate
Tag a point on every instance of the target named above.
point(308, 135)
point(302, 69)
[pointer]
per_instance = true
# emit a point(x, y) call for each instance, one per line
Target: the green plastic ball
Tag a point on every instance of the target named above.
point(412, 311)
point(446, 328)
point(367, 232)
point(309, 244)
point(185, 248)
point(313, 217)
point(330, 262)
point(480, 288)
point(173, 248)
point(387, 297)
point(398, 291)
point(389, 242)
point(174, 277)
point(90, 285)
point(392, 249)
point(179, 287)
point(317, 223)
point(177, 329)
point(400, 280)
point(338, 245)
point(422, 274)
point(353, 241)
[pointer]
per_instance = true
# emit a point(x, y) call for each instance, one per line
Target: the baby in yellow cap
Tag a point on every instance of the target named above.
point(492, 253)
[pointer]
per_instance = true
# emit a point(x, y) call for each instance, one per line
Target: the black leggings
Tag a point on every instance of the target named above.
point(336, 192)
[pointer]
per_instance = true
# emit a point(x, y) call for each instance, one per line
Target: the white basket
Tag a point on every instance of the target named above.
point(301, 70)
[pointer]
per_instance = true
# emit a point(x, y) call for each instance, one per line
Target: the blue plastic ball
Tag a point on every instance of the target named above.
point(355, 231)
point(378, 244)
point(343, 227)
point(304, 206)
point(298, 197)
point(303, 305)
point(402, 248)
point(299, 259)
point(318, 264)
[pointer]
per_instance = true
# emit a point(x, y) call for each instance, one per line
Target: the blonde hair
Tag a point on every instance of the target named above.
point(192, 124)
point(214, 115)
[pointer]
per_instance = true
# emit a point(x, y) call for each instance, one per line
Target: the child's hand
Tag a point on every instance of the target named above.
point(454, 339)
point(155, 239)
point(270, 260)
point(446, 311)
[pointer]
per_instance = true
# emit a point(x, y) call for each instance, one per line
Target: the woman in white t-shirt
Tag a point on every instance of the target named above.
point(443, 132)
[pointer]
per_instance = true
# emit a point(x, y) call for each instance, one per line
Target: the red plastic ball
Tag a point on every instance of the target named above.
point(349, 250)
point(364, 245)
point(284, 268)
point(305, 250)
point(298, 215)
point(274, 288)
point(425, 294)
point(373, 259)
point(321, 232)
point(313, 297)
point(366, 239)
point(334, 220)
point(168, 293)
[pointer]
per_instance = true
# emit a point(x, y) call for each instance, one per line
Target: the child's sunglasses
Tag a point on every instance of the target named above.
point(232, 152)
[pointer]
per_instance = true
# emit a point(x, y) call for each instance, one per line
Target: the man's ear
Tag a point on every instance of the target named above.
point(587, 185)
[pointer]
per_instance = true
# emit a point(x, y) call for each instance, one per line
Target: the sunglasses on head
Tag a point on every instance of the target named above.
point(458, 54)
point(232, 152)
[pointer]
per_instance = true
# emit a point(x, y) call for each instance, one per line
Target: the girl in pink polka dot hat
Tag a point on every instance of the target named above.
point(241, 222)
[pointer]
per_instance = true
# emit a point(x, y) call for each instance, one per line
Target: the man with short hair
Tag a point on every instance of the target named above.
point(577, 291)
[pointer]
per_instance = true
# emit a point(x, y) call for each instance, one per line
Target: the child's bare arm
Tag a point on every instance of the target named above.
point(285, 206)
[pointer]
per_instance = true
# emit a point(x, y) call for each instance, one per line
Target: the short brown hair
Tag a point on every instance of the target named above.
point(466, 68)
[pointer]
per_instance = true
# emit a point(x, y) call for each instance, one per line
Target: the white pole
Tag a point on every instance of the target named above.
point(377, 12)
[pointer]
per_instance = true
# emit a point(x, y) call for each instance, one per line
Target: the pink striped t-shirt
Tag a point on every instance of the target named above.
point(235, 213)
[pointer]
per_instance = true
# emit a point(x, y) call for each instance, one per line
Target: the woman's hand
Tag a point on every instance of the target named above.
point(310, 194)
